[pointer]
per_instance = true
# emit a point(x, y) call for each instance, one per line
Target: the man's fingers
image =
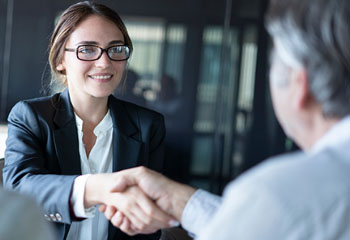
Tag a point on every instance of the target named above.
point(129, 177)
point(124, 179)
point(152, 214)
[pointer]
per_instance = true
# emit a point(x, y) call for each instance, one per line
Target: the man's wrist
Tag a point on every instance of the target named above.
point(181, 195)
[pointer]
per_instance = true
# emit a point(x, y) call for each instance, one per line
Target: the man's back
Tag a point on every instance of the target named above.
point(295, 196)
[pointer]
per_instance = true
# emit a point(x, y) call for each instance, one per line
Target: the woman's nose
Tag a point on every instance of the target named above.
point(103, 60)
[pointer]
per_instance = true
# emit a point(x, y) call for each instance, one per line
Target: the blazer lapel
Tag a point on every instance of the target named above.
point(65, 136)
point(127, 142)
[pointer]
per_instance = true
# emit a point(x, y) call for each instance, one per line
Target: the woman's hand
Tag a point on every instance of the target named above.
point(138, 209)
point(129, 209)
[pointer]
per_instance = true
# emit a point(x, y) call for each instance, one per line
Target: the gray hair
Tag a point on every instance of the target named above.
point(315, 35)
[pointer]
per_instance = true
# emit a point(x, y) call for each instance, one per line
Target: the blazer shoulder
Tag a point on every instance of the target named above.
point(43, 106)
point(47, 101)
point(133, 109)
point(38, 103)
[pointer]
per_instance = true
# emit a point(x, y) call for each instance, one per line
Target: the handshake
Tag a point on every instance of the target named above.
point(138, 200)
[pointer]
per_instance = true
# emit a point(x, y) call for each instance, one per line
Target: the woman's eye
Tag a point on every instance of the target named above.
point(87, 50)
point(118, 49)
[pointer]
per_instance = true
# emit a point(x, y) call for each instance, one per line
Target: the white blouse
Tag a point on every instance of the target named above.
point(95, 226)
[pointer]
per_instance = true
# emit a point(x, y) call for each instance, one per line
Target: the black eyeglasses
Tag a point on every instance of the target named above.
point(92, 52)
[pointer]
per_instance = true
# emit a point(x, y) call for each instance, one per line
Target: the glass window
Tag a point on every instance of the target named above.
point(209, 77)
point(158, 49)
point(214, 93)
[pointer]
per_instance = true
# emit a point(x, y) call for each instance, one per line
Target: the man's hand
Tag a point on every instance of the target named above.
point(169, 195)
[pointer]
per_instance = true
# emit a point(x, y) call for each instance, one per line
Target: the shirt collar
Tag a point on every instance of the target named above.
point(105, 125)
point(337, 134)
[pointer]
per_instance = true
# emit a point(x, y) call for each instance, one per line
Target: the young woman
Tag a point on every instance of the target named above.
point(57, 145)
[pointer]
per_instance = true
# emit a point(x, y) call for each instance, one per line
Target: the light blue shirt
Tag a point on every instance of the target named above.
point(295, 196)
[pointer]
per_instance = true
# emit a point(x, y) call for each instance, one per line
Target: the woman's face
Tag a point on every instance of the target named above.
point(100, 77)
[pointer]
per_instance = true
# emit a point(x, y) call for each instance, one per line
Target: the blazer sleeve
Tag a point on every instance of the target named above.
point(26, 164)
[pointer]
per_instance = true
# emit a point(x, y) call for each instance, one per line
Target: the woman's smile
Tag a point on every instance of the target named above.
point(101, 77)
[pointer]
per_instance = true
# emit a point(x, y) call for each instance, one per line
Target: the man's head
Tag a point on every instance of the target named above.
point(310, 71)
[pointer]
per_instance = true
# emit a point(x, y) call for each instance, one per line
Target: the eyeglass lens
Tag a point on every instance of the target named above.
point(90, 52)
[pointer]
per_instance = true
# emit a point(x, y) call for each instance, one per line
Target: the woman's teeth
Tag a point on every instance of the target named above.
point(102, 77)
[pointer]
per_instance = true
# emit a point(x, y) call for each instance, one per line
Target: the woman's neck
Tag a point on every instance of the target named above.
point(91, 109)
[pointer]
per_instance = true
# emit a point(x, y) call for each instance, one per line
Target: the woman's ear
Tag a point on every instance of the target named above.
point(60, 67)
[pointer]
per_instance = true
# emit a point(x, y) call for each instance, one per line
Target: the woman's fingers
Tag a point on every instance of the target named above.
point(126, 227)
point(123, 223)
point(134, 212)
point(102, 208)
point(143, 213)
point(110, 212)
point(117, 219)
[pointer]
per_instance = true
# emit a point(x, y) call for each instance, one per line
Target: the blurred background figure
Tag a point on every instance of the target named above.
point(168, 101)
point(129, 91)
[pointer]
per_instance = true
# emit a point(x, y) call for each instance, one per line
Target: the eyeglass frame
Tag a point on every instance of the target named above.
point(102, 50)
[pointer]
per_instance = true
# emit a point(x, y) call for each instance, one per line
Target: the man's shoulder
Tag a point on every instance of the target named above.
point(319, 177)
point(278, 167)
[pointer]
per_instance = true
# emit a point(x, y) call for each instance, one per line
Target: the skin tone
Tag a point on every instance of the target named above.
point(131, 203)
point(296, 109)
point(169, 195)
point(90, 83)
point(299, 114)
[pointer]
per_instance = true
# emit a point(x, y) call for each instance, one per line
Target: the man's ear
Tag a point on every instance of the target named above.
point(302, 94)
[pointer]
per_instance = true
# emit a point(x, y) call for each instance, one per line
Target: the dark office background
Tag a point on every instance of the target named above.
point(202, 63)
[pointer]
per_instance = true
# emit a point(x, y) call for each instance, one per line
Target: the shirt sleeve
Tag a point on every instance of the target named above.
point(77, 199)
point(199, 210)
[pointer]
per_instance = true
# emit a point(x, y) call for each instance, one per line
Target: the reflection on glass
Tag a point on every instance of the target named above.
point(158, 49)
point(232, 146)
point(148, 39)
point(249, 53)
point(209, 78)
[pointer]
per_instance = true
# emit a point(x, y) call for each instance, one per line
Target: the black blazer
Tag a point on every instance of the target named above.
point(42, 152)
